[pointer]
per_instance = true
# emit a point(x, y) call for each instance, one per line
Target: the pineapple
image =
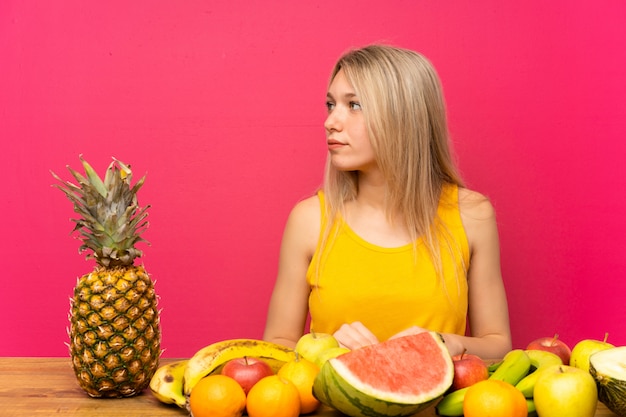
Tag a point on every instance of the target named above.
point(114, 322)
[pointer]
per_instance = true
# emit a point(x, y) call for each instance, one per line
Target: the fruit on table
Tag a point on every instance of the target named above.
point(451, 404)
point(209, 359)
point(554, 345)
point(468, 370)
point(329, 354)
point(301, 373)
point(247, 371)
point(608, 369)
point(217, 396)
point(273, 396)
point(585, 348)
point(167, 383)
point(539, 359)
point(494, 398)
point(563, 390)
point(513, 368)
point(397, 377)
point(114, 321)
point(311, 345)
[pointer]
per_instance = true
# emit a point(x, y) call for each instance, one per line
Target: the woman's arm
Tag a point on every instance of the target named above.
point(488, 308)
point(288, 306)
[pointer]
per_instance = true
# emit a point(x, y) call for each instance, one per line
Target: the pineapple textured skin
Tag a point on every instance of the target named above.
point(114, 332)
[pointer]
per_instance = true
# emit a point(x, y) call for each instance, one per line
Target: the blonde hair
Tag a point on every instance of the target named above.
point(404, 110)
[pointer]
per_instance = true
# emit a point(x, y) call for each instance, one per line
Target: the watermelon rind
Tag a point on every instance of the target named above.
point(338, 388)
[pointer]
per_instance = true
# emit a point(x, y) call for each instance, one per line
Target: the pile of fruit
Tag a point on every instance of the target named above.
point(547, 379)
point(259, 378)
point(399, 377)
point(228, 378)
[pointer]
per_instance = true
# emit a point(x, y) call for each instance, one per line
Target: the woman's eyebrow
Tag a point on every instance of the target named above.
point(346, 96)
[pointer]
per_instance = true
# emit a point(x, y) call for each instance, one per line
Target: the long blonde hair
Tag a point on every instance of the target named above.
point(404, 110)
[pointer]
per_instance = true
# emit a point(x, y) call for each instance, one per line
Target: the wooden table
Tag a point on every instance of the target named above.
point(47, 387)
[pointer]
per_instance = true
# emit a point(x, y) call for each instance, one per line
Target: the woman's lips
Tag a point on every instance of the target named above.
point(334, 144)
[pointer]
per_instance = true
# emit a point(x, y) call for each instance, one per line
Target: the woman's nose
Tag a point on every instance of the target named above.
point(333, 122)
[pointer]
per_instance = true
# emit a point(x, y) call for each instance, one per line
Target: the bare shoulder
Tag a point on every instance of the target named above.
point(479, 220)
point(474, 206)
point(306, 211)
point(304, 223)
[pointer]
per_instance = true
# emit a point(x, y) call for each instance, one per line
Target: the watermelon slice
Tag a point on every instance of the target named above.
point(398, 377)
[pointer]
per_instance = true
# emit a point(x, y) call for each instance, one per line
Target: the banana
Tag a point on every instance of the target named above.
point(527, 384)
point(167, 383)
point(493, 367)
point(209, 359)
point(452, 404)
point(538, 359)
point(514, 367)
point(532, 410)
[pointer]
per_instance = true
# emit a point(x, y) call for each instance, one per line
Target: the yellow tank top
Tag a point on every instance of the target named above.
point(391, 289)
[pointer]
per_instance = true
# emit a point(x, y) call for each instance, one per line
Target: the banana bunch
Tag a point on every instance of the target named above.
point(172, 383)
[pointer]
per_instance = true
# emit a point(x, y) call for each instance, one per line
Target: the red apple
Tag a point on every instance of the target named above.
point(554, 345)
point(468, 370)
point(247, 371)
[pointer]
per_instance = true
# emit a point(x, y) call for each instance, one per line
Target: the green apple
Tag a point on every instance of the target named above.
point(563, 390)
point(584, 349)
point(311, 345)
point(329, 354)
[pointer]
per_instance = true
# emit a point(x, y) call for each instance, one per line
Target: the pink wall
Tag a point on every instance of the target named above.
point(222, 106)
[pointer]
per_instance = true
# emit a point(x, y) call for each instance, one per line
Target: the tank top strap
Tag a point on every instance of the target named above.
point(449, 212)
point(449, 208)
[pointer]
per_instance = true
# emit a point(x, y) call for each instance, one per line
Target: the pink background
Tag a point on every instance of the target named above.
point(221, 103)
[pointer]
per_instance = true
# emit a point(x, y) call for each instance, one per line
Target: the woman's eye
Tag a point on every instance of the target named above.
point(355, 106)
point(330, 105)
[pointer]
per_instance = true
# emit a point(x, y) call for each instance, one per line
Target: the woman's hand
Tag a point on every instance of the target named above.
point(354, 335)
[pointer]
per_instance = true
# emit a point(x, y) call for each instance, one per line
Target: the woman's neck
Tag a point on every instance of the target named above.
point(368, 214)
point(372, 189)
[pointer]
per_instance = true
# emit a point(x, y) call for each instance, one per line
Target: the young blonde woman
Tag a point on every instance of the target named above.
point(393, 244)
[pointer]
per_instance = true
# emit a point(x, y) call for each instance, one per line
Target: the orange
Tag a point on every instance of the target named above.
point(273, 396)
point(494, 398)
point(217, 396)
point(302, 373)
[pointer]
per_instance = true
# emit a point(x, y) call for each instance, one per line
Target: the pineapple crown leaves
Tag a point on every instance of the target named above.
point(110, 221)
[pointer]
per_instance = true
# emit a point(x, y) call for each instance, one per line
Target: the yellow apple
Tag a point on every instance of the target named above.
point(563, 390)
point(311, 345)
point(584, 349)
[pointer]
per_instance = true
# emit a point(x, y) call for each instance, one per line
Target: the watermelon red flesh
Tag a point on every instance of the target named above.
point(398, 377)
point(410, 365)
